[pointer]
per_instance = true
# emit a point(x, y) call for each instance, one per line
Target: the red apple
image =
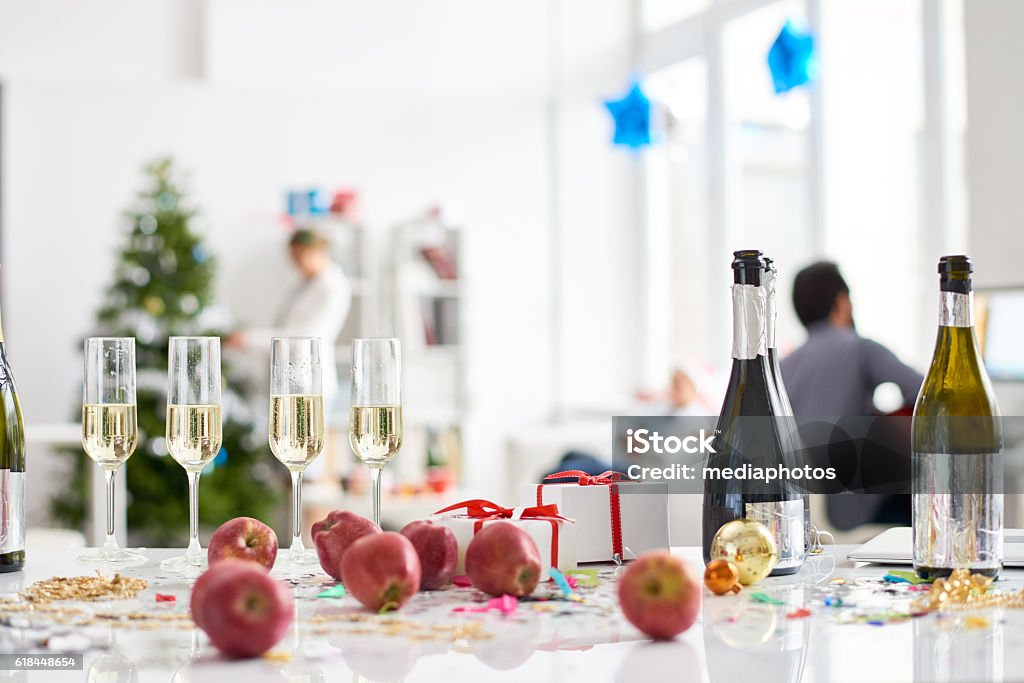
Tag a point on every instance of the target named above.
point(335, 533)
point(660, 594)
point(242, 609)
point(381, 570)
point(503, 559)
point(243, 538)
point(201, 588)
point(438, 551)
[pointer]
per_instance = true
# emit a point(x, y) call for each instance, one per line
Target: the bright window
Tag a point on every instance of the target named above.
point(864, 168)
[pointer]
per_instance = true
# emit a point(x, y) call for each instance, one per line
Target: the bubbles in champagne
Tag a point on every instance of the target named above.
point(194, 434)
point(375, 433)
point(109, 433)
point(296, 429)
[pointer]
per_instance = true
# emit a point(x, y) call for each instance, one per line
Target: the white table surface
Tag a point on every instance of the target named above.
point(735, 641)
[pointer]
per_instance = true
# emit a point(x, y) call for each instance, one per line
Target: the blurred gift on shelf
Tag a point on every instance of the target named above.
point(612, 516)
point(315, 201)
point(442, 260)
point(554, 534)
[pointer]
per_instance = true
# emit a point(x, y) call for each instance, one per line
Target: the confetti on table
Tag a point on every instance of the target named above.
point(799, 613)
point(160, 597)
point(332, 592)
point(462, 581)
point(766, 599)
point(586, 578)
point(904, 576)
point(278, 656)
point(506, 604)
point(975, 621)
point(559, 579)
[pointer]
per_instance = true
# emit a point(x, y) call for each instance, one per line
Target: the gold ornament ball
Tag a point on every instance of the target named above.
point(750, 546)
point(721, 577)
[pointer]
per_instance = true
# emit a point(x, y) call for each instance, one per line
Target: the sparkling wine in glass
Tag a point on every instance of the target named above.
point(296, 424)
point(375, 419)
point(110, 429)
point(194, 433)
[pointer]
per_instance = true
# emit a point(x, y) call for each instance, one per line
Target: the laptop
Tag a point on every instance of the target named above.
point(896, 546)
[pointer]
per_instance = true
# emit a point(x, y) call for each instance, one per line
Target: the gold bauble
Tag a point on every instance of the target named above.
point(749, 545)
point(721, 576)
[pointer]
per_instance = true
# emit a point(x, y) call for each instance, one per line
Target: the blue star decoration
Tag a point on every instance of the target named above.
point(792, 59)
point(632, 115)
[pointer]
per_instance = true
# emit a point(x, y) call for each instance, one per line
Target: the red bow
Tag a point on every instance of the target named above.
point(479, 508)
point(607, 478)
point(584, 479)
point(484, 510)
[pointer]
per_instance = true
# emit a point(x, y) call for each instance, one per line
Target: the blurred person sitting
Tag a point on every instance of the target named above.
point(835, 374)
point(836, 371)
point(681, 399)
point(317, 307)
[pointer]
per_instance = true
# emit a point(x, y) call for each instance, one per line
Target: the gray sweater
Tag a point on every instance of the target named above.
point(836, 372)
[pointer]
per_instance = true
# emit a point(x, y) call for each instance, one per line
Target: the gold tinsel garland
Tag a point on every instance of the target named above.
point(965, 591)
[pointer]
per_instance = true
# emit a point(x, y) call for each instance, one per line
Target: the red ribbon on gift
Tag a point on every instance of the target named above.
point(486, 511)
point(607, 478)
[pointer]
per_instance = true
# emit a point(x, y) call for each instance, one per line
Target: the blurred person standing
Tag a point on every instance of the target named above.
point(317, 307)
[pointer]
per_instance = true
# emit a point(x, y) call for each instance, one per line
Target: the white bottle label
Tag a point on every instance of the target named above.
point(12, 511)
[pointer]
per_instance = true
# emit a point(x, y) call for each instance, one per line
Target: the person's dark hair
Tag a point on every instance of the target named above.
point(305, 237)
point(815, 289)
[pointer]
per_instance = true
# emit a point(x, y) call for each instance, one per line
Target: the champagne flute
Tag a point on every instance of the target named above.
point(193, 427)
point(296, 424)
point(110, 429)
point(375, 420)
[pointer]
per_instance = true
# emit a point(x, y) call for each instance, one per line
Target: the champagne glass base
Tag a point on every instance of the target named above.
point(183, 564)
point(296, 560)
point(113, 558)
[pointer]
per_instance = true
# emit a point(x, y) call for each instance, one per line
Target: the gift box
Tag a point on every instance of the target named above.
point(554, 534)
point(613, 517)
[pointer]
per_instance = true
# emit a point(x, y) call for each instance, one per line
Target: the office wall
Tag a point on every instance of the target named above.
point(995, 138)
point(455, 104)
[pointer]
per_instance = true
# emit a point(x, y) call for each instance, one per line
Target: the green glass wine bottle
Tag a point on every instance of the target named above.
point(956, 443)
point(12, 470)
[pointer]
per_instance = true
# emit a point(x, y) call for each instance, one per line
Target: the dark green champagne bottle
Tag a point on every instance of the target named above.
point(771, 277)
point(956, 443)
point(12, 470)
point(749, 431)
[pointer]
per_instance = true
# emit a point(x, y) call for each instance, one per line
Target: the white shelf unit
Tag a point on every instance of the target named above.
point(429, 318)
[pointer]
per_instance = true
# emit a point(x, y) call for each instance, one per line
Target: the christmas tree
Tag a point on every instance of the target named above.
point(163, 286)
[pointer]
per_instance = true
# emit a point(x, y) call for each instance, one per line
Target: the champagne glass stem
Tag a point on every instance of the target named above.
point(297, 546)
point(375, 473)
point(111, 542)
point(195, 551)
